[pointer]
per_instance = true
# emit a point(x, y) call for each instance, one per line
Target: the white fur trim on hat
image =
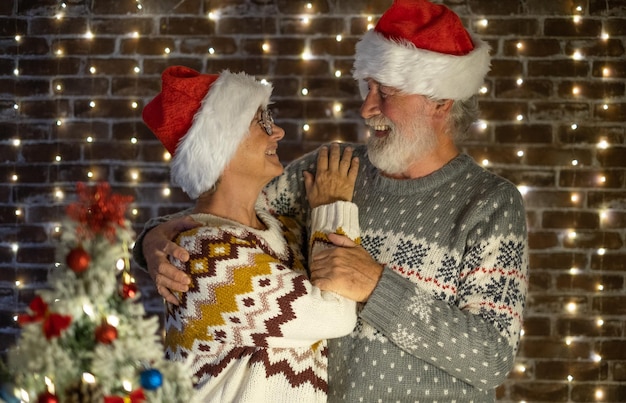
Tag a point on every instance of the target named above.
point(417, 71)
point(218, 127)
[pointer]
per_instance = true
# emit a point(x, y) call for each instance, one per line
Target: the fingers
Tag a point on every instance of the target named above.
point(346, 161)
point(167, 295)
point(333, 159)
point(322, 159)
point(341, 240)
point(173, 249)
point(354, 169)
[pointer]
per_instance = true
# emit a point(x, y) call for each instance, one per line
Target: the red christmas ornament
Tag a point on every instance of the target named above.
point(47, 397)
point(78, 259)
point(129, 290)
point(106, 333)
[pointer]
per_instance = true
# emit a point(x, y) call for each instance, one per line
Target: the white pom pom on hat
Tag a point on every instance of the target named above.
point(422, 48)
point(201, 120)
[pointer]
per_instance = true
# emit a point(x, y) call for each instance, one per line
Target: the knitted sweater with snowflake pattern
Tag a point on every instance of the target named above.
point(443, 323)
point(252, 323)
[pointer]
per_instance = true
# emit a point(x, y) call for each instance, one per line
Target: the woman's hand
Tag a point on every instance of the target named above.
point(335, 176)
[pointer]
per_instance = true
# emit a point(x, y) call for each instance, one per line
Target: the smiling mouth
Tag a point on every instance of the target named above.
point(270, 152)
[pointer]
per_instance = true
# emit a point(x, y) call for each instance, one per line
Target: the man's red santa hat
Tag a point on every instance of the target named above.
point(422, 48)
point(201, 119)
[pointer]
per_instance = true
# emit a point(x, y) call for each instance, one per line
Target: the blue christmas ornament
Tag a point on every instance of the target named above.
point(151, 379)
point(7, 395)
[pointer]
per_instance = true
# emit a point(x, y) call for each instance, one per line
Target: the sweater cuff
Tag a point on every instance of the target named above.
point(340, 217)
point(381, 309)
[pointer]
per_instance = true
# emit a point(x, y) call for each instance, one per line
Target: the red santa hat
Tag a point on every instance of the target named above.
point(201, 119)
point(422, 48)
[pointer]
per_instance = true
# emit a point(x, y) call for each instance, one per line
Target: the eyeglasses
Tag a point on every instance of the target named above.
point(266, 121)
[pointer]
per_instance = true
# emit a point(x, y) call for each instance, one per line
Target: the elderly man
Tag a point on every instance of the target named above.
point(441, 273)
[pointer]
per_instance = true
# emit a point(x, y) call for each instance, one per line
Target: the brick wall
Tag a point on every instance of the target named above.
point(553, 115)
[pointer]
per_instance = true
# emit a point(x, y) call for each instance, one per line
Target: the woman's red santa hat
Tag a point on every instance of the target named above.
point(201, 119)
point(422, 48)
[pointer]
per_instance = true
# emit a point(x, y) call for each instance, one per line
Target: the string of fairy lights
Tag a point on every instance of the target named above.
point(578, 199)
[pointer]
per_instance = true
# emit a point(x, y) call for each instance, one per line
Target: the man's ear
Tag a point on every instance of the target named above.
point(444, 105)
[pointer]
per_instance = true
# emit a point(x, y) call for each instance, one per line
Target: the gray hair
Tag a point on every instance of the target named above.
point(462, 115)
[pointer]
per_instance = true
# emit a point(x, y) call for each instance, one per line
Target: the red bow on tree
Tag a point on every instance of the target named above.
point(53, 323)
point(135, 396)
point(98, 210)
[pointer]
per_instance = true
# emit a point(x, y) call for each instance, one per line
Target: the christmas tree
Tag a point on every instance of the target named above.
point(86, 338)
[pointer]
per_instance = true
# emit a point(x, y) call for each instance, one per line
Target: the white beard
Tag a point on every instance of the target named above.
point(402, 147)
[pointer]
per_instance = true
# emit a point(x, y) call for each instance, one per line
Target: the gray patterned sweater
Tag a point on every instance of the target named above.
point(444, 322)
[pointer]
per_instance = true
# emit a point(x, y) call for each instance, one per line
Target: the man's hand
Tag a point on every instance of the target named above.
point(157, 246)
point(347, 269)
point(334, 178)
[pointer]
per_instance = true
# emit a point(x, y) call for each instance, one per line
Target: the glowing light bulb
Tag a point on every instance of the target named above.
point(89, 378)
point(600, 322)
point(337, 73)
point(574, 198)
point(577, 55)
point(570, 378)
point(338, 38)
point(17, 142)
point(137, 69)
point(483, 23)
point(92, 70)
point(519, 81)
point(485, 162)
point(574, 126)
point(519, 45)
point(571, 307)
point(519, 118)
point(15, 247)
point(520, 153)
point(167, 51)
point(523, 189)
point(306, 127)
point(603, 144)
point(265, 47)
point(483, 90)
point(601, 251)
point(167, 192)
point(88, 35)
point(574, 162)
point(304, 91)
point(306, 55)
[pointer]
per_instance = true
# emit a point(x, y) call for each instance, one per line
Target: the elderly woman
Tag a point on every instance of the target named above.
point(252, 324)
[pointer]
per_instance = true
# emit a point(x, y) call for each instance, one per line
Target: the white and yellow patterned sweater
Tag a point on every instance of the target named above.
point(252, 323)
